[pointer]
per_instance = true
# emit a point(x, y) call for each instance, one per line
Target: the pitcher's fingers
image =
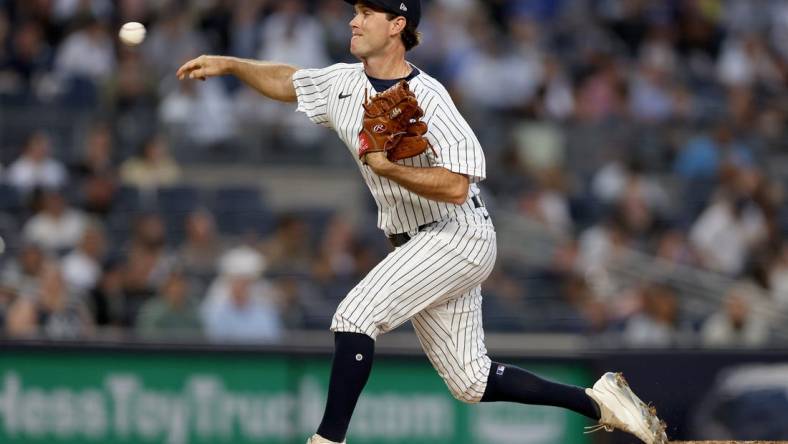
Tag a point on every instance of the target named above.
point(187, 67)
point(198, 73)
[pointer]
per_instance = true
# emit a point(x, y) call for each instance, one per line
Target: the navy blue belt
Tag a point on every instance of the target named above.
point(399, 239)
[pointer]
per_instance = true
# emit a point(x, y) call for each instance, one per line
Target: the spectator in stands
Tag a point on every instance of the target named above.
point(547, 203)
point(581, 312)
point(297, 297)
point(109, 302)
point(134, 95)
point(730, 227)
point(778, 277)
point(673, 247)
point(213, 127)
point(590, 313)
point(658, 323)
point(149, 261)
point(7, 297)
point(333, 19)
point(28, 61)
point(22, 275)
point(291, 35)
point(495, 76)
point(53, 312)
point(152, 168)
point(557, 95)
point(600, 95)
point(98, 195)
point(244, 29)
point(36, 167)
point(603, 243)
point(94, 172)
point(745, 61)
point(88, 53)
point(239, 305)
point(335, 259)
point(64, 11)
point(82, 266)
point(540, 149)
point(96, 156)
point(134, 10)
point(651, 97)
point(741, 322)
point(173, 312)
point(620, 179)
point(289, 248)
point(201, 248)
point(56, 226)
point(703, 156)
point(171, 40)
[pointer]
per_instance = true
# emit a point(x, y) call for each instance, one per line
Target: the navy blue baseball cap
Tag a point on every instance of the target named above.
point(410, 9)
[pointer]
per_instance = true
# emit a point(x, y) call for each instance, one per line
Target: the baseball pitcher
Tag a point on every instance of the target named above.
point(422, 163)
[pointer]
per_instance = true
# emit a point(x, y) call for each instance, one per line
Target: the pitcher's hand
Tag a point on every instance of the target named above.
point(203, 67)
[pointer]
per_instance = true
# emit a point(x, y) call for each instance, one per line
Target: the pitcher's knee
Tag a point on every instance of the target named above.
point(466, 390)
point(348, 324)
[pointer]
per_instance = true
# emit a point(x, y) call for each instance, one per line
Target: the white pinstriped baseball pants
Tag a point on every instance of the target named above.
point(435, 281)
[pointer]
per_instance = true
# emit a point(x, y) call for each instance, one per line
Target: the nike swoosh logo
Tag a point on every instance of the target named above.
point(344, 96)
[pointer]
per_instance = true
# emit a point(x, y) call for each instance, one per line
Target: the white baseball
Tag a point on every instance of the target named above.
point(132, 33)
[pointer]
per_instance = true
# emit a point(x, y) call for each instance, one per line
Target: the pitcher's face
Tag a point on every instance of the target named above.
point(371, 31)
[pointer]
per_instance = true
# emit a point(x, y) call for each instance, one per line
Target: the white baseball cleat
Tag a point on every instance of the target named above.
point(622, 409)
point(317, 439)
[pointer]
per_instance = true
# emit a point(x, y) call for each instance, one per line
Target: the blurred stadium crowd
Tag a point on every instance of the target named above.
point(618, 125)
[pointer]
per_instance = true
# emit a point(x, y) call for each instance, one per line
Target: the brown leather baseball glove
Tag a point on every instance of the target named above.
point(391, 124)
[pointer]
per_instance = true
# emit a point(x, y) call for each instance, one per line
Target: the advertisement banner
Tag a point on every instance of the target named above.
point(89, 397)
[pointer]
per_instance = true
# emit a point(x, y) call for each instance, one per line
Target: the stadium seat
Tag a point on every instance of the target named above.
point(240, 210)
point(10, 200)
point(9, 231)
point(175, 204)
point(316, 219)
point(183, 199)
point(127, 201)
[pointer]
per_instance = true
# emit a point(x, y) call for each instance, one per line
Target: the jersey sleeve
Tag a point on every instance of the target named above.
point(312, 87)
point(456, 146)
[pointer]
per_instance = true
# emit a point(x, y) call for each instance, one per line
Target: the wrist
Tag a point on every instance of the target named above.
point(228, 65)
point(384, 168)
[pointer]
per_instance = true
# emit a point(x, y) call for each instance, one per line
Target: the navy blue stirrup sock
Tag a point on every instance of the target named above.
point(350, 369)
point(509, 383)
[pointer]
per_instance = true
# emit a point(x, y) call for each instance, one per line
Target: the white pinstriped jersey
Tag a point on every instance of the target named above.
point(333, 96)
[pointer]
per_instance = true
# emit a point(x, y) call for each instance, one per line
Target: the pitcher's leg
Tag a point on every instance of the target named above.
point(407, 281)
point(452, 338)
point(402, 284)
point(513, 384)
point(350, 369)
